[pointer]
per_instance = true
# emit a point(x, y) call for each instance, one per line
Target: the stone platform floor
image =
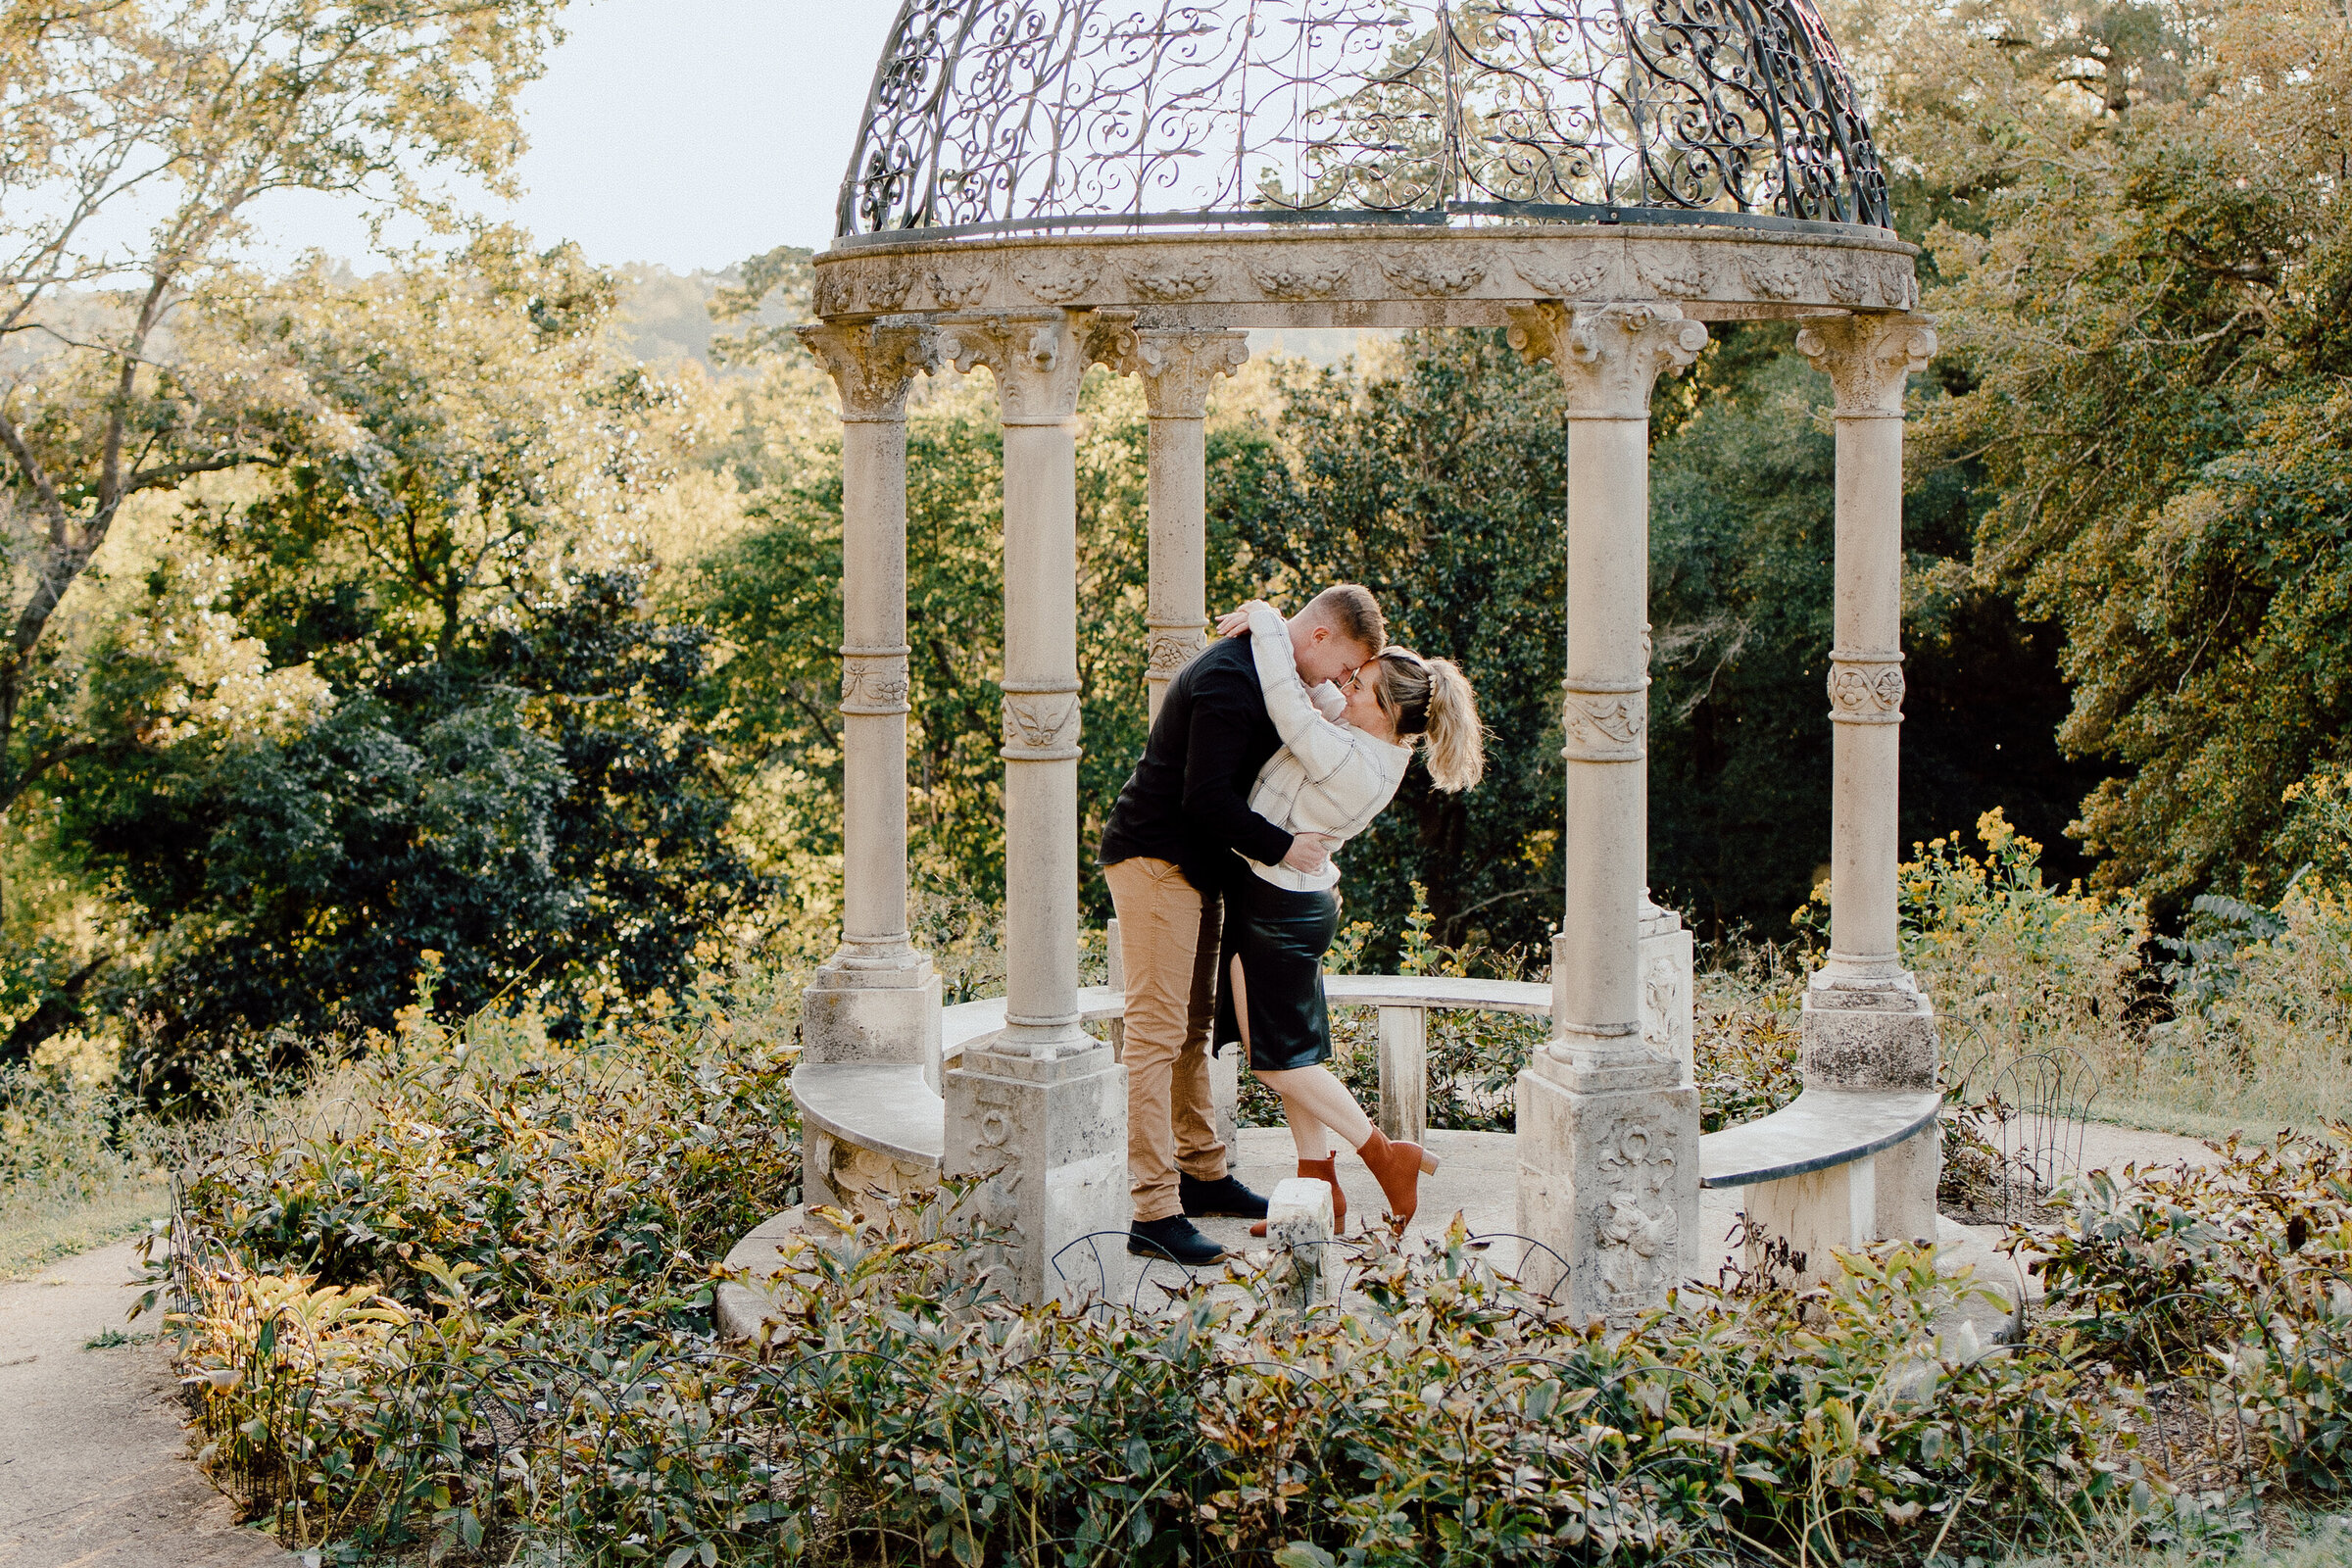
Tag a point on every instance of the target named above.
point(1478, 1178)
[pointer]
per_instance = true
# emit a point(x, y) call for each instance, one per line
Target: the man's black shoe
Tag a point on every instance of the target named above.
point(1173, 1239)
point(1222, 1199)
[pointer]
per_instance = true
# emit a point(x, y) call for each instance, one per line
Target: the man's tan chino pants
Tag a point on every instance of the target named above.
point(1168, 936)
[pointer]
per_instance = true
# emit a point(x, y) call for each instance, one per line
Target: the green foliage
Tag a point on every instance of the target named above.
point(1437, 484)
point(1741, 585)
point(772, 598)
point(570, 1197)
point(2143, 264)
point(537, 816)
point(408, 697)
point(483, 1232)
point(139, 137)
point(2234, 1279)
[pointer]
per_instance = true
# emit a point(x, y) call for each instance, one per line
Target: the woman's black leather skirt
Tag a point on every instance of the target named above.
point(1280, 935)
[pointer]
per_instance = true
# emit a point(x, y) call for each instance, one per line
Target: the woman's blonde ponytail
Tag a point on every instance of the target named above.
point(1430, 701)
point(1458, 745)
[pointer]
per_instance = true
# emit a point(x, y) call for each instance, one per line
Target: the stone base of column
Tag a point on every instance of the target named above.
point(1880, 1034)
point(1050, 1138)
point(874, 1015)
point(1669, 989)
point(1609, 1180)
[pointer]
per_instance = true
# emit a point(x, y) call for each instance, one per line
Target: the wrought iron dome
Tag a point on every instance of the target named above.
point(1005, 116)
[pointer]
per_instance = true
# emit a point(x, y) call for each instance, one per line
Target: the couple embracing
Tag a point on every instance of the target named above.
point(1272, 749)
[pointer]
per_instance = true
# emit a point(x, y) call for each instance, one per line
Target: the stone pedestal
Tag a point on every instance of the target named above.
point(1049, 1134)
point(1609, 1179)
point(1298, 1225)
point(1879, 1035)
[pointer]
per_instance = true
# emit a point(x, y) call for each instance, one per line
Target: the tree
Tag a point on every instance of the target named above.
point(410, 699)
point(181, 116)
point(2146, 271)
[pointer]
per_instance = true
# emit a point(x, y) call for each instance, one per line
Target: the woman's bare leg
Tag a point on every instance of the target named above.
point(1321, 1094)
point(1309, 1134)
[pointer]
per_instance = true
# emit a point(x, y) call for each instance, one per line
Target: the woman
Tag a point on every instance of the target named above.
point(1339, 765)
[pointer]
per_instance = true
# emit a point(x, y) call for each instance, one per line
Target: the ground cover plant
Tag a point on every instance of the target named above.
point(383, 1370)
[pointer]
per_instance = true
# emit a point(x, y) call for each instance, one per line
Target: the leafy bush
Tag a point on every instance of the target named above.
point(2231, 1279)
point(895, 1414)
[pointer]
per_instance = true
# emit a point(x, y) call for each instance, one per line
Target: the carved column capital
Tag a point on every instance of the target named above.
point(1609, 356)
point(1038, 358)
point(1868, 359)
point(1177, 366)
point(872, 367)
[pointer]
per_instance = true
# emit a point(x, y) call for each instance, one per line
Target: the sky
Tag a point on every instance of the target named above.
point(691, 133)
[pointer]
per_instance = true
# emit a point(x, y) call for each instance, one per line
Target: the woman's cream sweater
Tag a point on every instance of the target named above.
point(1329, 777)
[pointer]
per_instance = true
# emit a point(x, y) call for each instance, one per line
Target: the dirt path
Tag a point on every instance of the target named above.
point(95, 1471)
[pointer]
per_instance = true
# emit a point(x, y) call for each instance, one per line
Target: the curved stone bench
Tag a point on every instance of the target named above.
point(1816, 1167)
point(883, 1128)
point(1834, 1170)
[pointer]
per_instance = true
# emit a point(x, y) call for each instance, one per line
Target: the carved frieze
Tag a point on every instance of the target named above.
point(957, 288)
point(1605, 725)
point(1427, 272)
point(1568, 276)
point(1661, 1001)
point(1058, 279)
point(1173, 282)
point(1041, 725)
point(1676, 271)
point(1776, 272)
point(1348, 272)
point(874, 680)
point(1300, 277)
point(1866, 688)
point(1172, 649)
point(863, 291)
point(1637, 1235)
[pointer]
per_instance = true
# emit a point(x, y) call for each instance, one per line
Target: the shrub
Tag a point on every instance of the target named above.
point(2233, 1281)
point(457, 1299)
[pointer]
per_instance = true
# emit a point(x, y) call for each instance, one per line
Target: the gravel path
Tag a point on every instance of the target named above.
point(94, 1468)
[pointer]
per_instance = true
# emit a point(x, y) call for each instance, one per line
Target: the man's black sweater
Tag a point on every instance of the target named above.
point(1188, 800)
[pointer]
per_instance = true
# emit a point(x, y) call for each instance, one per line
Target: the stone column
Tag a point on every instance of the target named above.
point(1043, 1106)
point(1866, 1025)
point(877, 999)
point(1177, 366)
point(1608, 1132)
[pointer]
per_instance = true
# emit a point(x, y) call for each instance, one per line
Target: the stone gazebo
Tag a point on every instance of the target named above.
point(1039, 187)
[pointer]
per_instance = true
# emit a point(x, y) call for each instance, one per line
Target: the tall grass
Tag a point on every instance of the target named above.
point(73, 1174)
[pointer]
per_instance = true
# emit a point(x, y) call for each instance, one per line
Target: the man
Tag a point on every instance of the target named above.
point(1171, 845)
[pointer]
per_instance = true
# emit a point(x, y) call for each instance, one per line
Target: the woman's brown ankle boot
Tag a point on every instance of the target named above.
point(1322, 1170)
point(1398, 1168)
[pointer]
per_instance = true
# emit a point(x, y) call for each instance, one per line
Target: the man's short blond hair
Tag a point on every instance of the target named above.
point(1350, 610)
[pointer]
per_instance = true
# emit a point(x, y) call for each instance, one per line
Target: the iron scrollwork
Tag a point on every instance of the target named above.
point(1008, 114)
